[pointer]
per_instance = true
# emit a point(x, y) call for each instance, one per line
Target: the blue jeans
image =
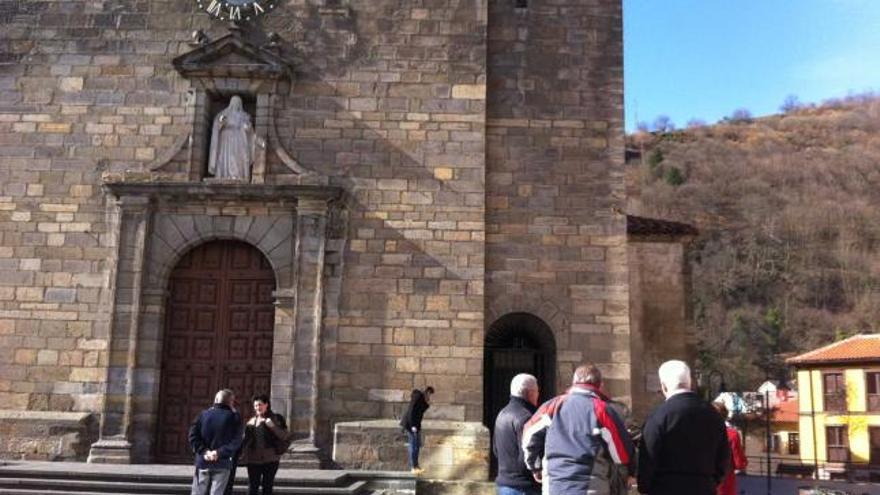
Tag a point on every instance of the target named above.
point(415, 443)
point(509, 490)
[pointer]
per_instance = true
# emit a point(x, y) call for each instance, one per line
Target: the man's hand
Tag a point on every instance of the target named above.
point(538, 476)
point(210, 456)
point(415, 430)
point(630, 481)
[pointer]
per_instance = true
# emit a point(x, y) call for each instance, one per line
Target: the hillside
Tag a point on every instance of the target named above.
point(789, 212)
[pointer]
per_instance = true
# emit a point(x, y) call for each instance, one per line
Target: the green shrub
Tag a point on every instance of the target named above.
point(655, 158)
point(674, 177)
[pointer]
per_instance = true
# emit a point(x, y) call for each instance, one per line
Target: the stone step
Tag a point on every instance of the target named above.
point(307, 478)
point(12, 486)
point(72, 478)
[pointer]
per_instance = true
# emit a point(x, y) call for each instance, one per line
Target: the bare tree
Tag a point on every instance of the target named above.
point(663, 124)
point(791, 104)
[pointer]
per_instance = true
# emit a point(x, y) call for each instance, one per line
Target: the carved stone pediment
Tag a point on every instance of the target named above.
point(232, 56)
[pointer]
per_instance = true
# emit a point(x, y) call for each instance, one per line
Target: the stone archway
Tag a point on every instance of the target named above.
point(516, 343)
point(154, 225)
point(219, 329)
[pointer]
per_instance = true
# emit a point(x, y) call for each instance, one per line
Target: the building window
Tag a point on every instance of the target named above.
point(874, 433)
point(834, 391)
point(774, 443)
point(873, 387)
point(837, 439)
point(794, 444)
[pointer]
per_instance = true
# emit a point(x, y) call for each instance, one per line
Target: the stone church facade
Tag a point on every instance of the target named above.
point(436, 197)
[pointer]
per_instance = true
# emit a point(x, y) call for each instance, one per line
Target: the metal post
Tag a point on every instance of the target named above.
point(769, 438)
point(813, 417)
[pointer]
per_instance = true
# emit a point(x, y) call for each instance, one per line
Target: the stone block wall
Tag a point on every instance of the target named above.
point(479, 146)
point(661, 320)
point(84, 88)
point(388, 100)
point(555, 237)
point(451, 450)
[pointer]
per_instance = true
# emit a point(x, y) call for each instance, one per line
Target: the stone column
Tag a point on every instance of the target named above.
point(132, 224)
point(311, 232)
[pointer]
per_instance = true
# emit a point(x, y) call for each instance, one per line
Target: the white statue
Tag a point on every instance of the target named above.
point(233, 143)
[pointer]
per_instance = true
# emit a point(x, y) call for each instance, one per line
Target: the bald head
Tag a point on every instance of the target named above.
point(675, 376)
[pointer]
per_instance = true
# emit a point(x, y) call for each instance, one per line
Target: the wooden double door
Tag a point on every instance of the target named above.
point(218, 334)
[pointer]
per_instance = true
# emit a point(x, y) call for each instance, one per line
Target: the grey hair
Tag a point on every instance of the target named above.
point(521, 384)
point(587, 373)
point(675, 375)
point(223, 396)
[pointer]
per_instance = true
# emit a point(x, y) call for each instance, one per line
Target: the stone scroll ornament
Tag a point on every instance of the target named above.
point(233, 143)
point(236, 10)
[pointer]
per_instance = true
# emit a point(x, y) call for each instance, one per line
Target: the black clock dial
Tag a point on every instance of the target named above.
point(236, 10)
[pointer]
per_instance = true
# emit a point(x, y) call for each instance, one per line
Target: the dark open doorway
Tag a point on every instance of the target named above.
point(516, 343)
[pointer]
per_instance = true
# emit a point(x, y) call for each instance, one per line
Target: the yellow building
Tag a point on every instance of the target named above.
point(839, 405)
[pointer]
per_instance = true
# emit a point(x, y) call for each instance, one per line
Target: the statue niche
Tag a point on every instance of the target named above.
point(233, 143)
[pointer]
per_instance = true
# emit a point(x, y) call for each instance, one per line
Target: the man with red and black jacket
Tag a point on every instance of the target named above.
point(576, 443)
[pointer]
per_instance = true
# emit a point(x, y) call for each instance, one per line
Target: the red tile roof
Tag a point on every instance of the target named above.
point(786, 412)
point(859, 348)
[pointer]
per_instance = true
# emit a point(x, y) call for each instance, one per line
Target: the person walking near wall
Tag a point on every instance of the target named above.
point(737, 456)
point(266, 438)
point(576, 443)
point(514, 478)
point(215, 438)
point(684, 448)
point(411, 422)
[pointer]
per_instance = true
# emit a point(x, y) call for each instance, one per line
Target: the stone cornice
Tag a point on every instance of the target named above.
point(223, 191)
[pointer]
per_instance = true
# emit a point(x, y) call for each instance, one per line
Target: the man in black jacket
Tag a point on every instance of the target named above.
point(514, 478)
point(684, 447)
point(411, 422)
point(216, 439)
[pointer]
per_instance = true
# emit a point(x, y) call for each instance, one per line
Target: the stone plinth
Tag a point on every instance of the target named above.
point(47, 436)
point(451, 450)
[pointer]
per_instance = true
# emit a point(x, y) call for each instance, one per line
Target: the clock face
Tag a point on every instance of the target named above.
point(236, 10)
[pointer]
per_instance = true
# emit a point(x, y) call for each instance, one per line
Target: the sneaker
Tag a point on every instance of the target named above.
point(417, 471)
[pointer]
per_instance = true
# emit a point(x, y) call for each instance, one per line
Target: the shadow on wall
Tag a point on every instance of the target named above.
point(405, 262)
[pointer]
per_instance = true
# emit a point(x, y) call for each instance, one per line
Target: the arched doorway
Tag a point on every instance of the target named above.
point(516, 343)
point(219, 322)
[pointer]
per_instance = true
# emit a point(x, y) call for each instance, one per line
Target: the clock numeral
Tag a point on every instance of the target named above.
point(214, 7)
point(258, 9)
point(235, 13)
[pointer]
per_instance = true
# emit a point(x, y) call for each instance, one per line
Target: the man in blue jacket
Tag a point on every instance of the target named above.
point(576, 443)
point(215, 438)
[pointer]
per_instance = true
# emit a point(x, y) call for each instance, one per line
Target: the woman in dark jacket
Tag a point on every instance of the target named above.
point(412, 424)
point(265, 440)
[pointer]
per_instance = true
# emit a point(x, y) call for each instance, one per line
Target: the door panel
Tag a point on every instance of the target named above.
point(218, 334)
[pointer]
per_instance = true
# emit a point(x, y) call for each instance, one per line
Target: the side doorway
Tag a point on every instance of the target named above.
point(515, 343)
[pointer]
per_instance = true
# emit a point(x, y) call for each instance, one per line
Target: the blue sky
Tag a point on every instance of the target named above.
point(705, 58)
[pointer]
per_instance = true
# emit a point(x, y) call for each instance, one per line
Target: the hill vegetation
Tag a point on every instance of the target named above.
point(788, 207)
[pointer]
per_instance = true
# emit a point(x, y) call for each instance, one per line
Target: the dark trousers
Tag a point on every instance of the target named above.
point(415, 444)
point(261, 475)
point(231, 481)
